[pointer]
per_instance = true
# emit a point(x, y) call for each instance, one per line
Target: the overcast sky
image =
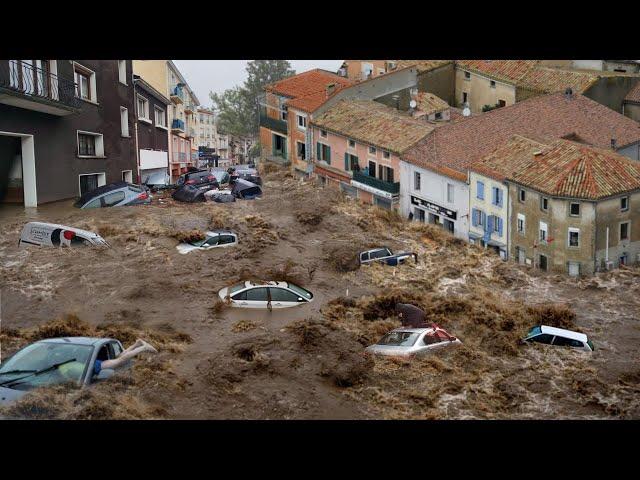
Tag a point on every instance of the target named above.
point(204, 76)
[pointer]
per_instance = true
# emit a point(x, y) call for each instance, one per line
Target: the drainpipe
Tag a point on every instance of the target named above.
point(135, 126)
point(606, 249)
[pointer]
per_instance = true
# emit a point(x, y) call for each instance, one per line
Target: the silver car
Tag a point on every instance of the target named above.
point(407, 342)
point(214, 239)
point(116, 194)
point(54, 361)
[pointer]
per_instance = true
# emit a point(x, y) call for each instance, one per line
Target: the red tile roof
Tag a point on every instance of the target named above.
point(634, 94)
point(308, 90)
point(562, 168)
point(505, 70)
point(450, 148)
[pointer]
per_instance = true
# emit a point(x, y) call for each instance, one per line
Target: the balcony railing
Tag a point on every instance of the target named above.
point(38, 84)
point(272, 123)
point(177, 124)
point(177, 95)
point(179, 157)
point(388, 187)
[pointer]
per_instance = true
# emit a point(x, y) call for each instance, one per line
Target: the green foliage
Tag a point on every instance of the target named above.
point(237, 107)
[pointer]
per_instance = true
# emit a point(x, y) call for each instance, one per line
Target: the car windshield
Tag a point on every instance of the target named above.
point(591, 345)
point(300, 291)
point(238, 286)
point(41, 355)
point(534, 331)
point(399, 339)
point(199, 243)
point(380, 253)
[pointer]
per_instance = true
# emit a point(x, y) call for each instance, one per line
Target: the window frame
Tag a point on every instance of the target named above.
point(545, 230)
point(628, 237)
point(145, 118)
point(157, 109)
point(522, 195)
point(122, 72)
point(124, 134)
point(373, 151)
point(323, 134)
point(624, 209)
point(544, 199)
point(467, 75)
point(304, 121)
point(571, 204)
point(349, 141)
point(569, 232)
point(386, 154)
point(451, 193)
point(521, 217)
point(98, 144)
point(417, 180)
point(304, 157)
point(83, 71)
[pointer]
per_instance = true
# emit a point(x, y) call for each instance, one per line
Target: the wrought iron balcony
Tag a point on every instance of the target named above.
point(389, 187)
point(177, 125)
point(177, 95)
point(272, 123)
point(27, 86)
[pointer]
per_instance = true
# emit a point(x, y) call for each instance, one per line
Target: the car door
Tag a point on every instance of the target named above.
point(429, 342)
point(227, 240)
point(113, 198)
point(283, 298)
point(256, 297)
point(364, 257)
point(212, 242)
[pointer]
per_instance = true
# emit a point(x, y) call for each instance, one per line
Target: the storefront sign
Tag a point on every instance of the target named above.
point(375, 191)
point(434, 208)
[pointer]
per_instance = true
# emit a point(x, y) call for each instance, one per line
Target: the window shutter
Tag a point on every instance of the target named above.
point(329, 155)
point(489, 224)
point(346, 162)
point(499, 194)
point(480, 189)
point(494, 196)
point(483, 217)
point(318, 150)
point(499, 219)
point(474, 217)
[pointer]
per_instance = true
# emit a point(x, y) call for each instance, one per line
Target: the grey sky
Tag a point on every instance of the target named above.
point(204, 76)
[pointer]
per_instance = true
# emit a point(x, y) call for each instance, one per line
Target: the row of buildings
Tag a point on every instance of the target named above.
point(68, 126)
point(550, 179)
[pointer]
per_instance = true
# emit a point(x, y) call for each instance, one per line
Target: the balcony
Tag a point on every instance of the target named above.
point(189, 108)
point(177, 126)
point(26, 86)
point(375, 183)
point(274, 124)
point(177, 95)
point(191, 133)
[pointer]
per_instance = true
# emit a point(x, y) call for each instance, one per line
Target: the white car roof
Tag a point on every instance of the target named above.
point(415, 330)
point(53, 226)
point(248, 284)
point(215, 233)
point(563, 333)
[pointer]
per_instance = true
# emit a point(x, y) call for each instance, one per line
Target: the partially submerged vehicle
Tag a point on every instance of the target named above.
point(191, 193)
point(117, 194)
point(55, 235)
point(222, 176)
point(408, 342)
point(220, 196)
point(55, 361)
point(385, 255)
point(213, 239)
point(157, 181)
point(250, 175)
point(265, 295)
point(197, 178)
point(558, 337)
point(246, 190)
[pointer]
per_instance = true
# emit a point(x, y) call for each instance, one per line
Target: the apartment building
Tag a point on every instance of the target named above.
point(439, 163)
point(65, 128)
point(358, 147)
point(286, 110)
point(570, 207)
point(151, 129)
point(165, 77)
point(206, 133)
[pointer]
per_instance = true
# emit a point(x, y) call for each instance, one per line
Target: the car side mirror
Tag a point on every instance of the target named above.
point(300, 299)
point(105, 374)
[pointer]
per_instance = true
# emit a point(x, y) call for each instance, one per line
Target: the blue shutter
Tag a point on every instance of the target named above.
point(499, 193)
point(480, 190)
point(483, 218)
point(499, 225)
point(474, 217)
point(346, 162)
point(494, 201)
point(489, 227)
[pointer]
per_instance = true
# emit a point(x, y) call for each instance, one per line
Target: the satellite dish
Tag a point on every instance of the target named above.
point(413, 104)
point(466, 111)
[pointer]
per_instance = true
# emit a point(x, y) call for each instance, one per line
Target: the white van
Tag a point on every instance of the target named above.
point(54, 235)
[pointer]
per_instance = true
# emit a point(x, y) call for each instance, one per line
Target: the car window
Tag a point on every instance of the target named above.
point(133, 188)
point(113, 198)
point(542, 338)
point(257, 294)
point(224, 239)
point(240, 296)
point(117, 349)
point(364, 257)
point(95, 203)
point(431, 338)
point(303, 292)
point(534, 331)
point(213, 241)
point(399, 339)
point(282, 295)
point(180, 180)
point(236, 287)
point(567, 342)
point(380, 253)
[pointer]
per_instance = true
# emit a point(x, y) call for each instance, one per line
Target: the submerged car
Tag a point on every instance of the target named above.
point(220, 196)
point(54, 235)
point(116, 194)
point(266, 295)
point(192, 193)
point(407, 342)
point(246, 190)
point(197, 178)
point(157, 181)
point(55, 361)
point(214, 239)
point(385, 255)
point(559, 337)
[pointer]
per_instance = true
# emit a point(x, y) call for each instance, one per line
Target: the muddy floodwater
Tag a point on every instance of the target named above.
point(307, 362)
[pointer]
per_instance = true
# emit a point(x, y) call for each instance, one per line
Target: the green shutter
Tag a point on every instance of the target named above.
point(284, 149)
point(273, 145)
point(319, 147)
point(346, 162)
point(329, 155)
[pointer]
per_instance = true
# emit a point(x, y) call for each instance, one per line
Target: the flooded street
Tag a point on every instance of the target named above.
point(306, 362)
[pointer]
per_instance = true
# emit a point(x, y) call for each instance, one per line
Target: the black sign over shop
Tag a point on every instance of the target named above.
point(434, 208)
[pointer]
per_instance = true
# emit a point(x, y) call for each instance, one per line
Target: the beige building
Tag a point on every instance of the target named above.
point(165, 77)
point(206, 133)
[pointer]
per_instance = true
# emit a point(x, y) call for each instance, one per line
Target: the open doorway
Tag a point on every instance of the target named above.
point(17, 170)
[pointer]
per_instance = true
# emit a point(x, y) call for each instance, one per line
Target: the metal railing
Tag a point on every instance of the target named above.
point(176, 91)
point(272, 123)
point(26, 79)
point(389, 187)
point(177, 124)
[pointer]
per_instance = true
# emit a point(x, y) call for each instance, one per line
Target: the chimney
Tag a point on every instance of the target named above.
point(568, 94)
point(331, 87)
point(613, 143)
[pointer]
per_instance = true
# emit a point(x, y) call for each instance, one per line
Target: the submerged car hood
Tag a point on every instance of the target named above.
point(389, 350)
point(9, 395)
point(186, 248)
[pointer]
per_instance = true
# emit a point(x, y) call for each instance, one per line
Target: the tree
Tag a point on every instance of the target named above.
point(237, 107)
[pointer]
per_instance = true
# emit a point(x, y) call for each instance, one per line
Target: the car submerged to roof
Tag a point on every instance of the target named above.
point(408, 342)
point(559, 337)
point(54, 361)
point(55, 235)
point(213, 239)
point(115, 194)
point(246, 190)
point(266, 295)
point(385, 255)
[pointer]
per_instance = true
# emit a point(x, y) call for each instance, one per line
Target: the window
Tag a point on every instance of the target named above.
point(543, 232)
point(124, 122)
point(323, 133)
point(282, 295)
point(302, 122)
point(480, 190)
point(324, 152)
point(467, 76)
point(84, 90)
point(521, 223)
point(301, 151)
point(574, 209)
point(372, 169)
point(113, 198)
point(385, 173)
point(161, 120)
point(385, 154)
point(352, 143)
point(497, 196)
point(465, 96)
point(544, 203)
point(351, 163)
point(501, 103)
point(86, 145)
point(438, 115)
point(492, 83)
point(542, 338)
point(143, 108)
point(85, 82)
point(90, 182)
point(416, 180)
point(283, 113)
point(450, 190)
point(226, 239)
point(122, 71)
point(127, 176)
point(372, 150)
point(624, 204)
point(257, 294)
point(522, 195)
point(477, 217)
point(574, 237)
point(624, 231)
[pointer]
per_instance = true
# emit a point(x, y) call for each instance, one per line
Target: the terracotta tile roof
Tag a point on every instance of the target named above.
point(429, 103)
point(373, 123)
point(453, 146)
point(634, 94)
point(563, 168)
point(508, 71)
point(421, 65)
point(308, 90)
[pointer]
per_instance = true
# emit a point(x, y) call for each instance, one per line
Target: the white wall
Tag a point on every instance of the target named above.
point(153, 159)
point(632, 151)
point(433, 188)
